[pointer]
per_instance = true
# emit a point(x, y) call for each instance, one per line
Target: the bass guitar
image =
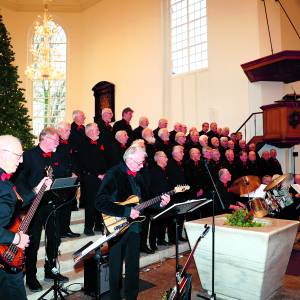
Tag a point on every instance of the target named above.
point(12, 258)
point(120, 224)
point(183, 278)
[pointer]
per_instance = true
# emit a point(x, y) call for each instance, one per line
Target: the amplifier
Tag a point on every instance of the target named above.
point(90, 276)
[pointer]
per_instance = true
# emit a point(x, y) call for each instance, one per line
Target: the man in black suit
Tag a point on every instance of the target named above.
point(162, 123)
point(177, 128)
point(274, 163)
point(76, 139)
point(119, 183)
point(65, 152)
point(94, 166)
point(105, 128)
point(11, 153)
point(35, 161)
point(137, 132)
point(163, 143)
point(124, 123)
point(118, 148)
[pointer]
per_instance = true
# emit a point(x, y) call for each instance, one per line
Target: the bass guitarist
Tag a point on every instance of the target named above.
point(11, 155)
point(119, 183)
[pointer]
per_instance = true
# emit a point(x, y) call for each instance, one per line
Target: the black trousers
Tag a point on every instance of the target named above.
point(65, 212)
point(92, 217)
point(12, 286)
point(126, 247)
point(52, 234)
point(157, 231)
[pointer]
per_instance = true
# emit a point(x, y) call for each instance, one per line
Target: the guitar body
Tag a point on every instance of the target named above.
point(113, 223)
point(12, 258)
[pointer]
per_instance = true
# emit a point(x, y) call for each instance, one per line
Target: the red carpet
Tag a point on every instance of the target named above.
point(293, 267)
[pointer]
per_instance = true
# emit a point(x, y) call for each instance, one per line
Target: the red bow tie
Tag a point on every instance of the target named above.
point(102, 147)
point(80, 127)
point(179, 163)
point(5, 176)
point(131, 173)
point(196, 163)
point(93, 142)
point(47, 154)
point(63, 142)
point(123, 146)
point(164, 169)
point(166, 142)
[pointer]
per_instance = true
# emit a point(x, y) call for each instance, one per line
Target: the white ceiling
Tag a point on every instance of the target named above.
point(54, 5)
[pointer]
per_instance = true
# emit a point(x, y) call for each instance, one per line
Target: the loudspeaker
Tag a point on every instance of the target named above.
point(90, 276)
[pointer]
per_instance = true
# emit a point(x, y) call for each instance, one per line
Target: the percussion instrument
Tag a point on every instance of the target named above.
point(275, 182)
point(259, 207)
point(245, 185)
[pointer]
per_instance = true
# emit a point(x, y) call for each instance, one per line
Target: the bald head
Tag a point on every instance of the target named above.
point(11, 153)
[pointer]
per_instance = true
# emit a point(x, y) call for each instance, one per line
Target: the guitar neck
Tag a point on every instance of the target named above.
point(27, 219)
point(152, 201)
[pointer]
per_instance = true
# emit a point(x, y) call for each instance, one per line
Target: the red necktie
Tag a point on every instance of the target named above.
point(63, 142)
point(93, 142)
point(80, 127)
point(47, 154)
point(5, 176)
point(131, 173)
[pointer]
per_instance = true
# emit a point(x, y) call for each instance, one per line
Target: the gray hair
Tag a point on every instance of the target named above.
point(89, 126)
point(46, 132)
point(62, 125)
point(76, 113)
point(133, 150)
point(105, 110)
point(119, 133)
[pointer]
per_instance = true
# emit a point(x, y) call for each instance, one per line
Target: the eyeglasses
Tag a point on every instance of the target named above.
point(55, 140)
point(19, 155)
point(139, 163)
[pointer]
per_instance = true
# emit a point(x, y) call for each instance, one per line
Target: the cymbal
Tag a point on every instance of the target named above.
point(245, 185)
point(276, 181)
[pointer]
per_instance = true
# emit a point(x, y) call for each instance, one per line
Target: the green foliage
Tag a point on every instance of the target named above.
point(242, 218)
point(14, 117)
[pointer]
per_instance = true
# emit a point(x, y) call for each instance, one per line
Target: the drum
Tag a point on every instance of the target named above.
point(272, 204)
point(259, 207)
point(283, 197)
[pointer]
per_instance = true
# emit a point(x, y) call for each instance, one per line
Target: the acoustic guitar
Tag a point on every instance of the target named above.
point(12, 258)
point(121, 224)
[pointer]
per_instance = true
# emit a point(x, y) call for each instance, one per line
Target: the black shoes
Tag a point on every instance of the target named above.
point(146, 249)
point(70, 234)
point(183, 239)
point(162, 243)
point(34, 285)
point(54, 274)
point(153, 247)
point(89, 232)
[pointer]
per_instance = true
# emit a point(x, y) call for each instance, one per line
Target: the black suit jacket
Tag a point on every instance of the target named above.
point(122, 125)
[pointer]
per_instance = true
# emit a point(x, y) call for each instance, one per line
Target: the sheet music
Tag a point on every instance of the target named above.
point(296, 187)
point(258, 193)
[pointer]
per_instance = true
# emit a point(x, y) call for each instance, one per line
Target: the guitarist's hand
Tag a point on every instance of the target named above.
point(45, 180)
point(165, 199)
point(21, 240)
point(134, 213)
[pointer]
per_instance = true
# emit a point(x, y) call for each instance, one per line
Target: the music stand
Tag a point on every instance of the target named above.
point(59, 190)
point(174, 211)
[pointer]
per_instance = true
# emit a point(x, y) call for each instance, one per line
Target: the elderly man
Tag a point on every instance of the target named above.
point(274, 163)
point(159, 185)
point(35, 162)
point(205, 127)
point(177, 128)
point(193, 140)
point(11, 153)
point(124, 123)
point(253, 166)
point(162, 123)
point(176, 175)
point(162, 142)
point(149, 139)
point(105, 127)
point(94, 167)
point(118, 147)
point(76, 139)
point(203, 140)
point(119, 183)
point(137, 132)
point(213, 132)
point(264, 163)
point(223, 146)
point(69, 168)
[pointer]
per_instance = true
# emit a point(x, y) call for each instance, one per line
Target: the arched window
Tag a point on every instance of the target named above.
point(188, 28)
point(49, 95)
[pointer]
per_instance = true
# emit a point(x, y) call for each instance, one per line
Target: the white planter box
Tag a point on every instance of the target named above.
point(249, 262)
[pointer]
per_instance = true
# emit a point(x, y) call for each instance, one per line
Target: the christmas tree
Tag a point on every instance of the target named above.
point(14, 117)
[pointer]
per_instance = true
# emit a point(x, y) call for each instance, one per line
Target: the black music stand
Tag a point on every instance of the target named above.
point(60, 191)
point(176, 210)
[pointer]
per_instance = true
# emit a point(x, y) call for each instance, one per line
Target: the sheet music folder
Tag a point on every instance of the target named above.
point(182, 208)
point(61, 183)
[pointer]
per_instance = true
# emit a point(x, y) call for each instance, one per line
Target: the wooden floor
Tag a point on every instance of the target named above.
point(162, 277)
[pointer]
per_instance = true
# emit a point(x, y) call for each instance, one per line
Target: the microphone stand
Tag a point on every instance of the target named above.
point(215, 191)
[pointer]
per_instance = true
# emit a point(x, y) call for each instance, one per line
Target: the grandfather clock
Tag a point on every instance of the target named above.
point(104, 93)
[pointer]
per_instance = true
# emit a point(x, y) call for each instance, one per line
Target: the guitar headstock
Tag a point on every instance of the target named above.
point(49, 172)
point(181, 188)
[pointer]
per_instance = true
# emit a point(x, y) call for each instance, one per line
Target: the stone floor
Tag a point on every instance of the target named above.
point(157, 270)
